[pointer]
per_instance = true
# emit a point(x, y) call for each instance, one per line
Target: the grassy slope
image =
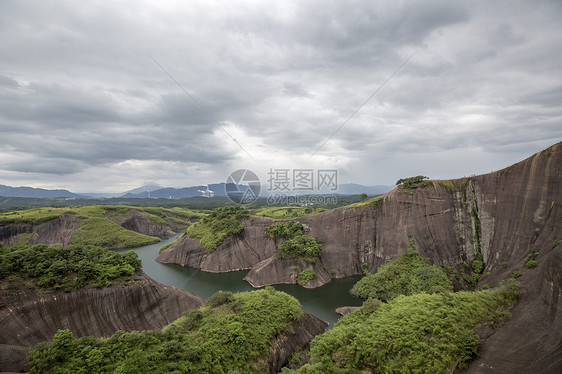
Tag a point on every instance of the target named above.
point(97, 229)
point(213, 229)
point(285, 212)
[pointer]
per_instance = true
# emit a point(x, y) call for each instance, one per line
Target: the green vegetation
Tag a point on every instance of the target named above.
point(166, 246)
point(431, 333)
point(33, 216)
point(516, 274)
point(477, 266)
point(363, 196)
point(285, 230)
point(286, 212)
point(455, 185)
point(503, 265)
point(556, 243)
point(300, 247)
point(100, 224)
point(100, 231)
point(178, 221)
point(407, 275)
point(231, 334)
point(64, 268)
point(447, 184)
point(170, 213)
point(306, 276)
point(41, 215)
point(213, 229)
point(295, 244)
point(532, 263)
point(198, 203)
point(412, 183)
point(375, 202)
point(157, 220)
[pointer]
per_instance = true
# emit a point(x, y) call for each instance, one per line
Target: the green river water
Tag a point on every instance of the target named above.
point(321, 301)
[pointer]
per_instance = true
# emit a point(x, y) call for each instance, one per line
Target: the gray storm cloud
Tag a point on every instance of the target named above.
point(83, 106)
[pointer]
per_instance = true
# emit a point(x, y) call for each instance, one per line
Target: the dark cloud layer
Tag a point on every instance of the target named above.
point(83, 105)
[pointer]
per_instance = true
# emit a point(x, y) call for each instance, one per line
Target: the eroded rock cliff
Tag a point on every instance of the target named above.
point(295, 337)
point(56, 231)
point(505, 214)
point(29, 317)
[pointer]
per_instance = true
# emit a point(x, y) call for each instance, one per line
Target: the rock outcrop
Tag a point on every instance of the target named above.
point(346, 310)
point(505, 214)
point(530, 341)
point(29, 317)
point(56, 231)
point(140, 223)
point(239, 252)
point(295, 337)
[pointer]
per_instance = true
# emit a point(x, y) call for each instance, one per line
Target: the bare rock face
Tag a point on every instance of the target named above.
point(29, 317)
point(516, 209)
point(530, 341)
point(295, 337)
point(507, 214)
point(236, 253)
point(346, 310)
point(56, 231)
point(140, 223)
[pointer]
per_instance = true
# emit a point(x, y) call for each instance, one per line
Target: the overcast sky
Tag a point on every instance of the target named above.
point(83, 106)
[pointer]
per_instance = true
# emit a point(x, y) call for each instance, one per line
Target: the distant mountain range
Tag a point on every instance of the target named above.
point(8, 191)
point(177, 193)
point(219, 190)
point(156, 191)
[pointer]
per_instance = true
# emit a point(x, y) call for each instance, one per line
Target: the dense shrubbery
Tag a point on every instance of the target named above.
point(532, 263)
point(412, 183)
point(33, 216)
point(286, 212)
point(231, 334)
point(65, 268)
point(407, 275)
point(213, 229)
point(300, 247)
point(295, 244)
point(306, 276)
point(284, 230)
point(420, 333)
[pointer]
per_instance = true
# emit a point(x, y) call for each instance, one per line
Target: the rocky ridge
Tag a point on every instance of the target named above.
point(29, 317)
point(61, 229)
